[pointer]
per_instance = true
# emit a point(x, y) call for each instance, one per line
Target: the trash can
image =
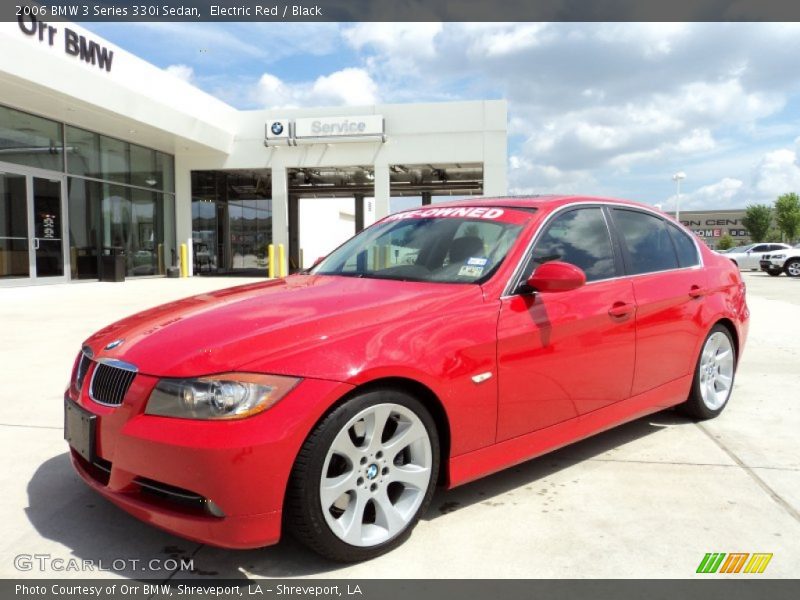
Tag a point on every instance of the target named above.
point(112, 266)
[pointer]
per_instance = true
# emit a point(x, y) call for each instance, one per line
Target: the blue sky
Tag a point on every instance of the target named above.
point(603, 109)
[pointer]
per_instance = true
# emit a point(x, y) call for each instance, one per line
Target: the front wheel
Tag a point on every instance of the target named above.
point(792, 267)
point(364, 476)
point(713, 377)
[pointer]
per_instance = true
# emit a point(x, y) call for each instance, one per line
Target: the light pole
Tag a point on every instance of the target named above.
point(677, 178)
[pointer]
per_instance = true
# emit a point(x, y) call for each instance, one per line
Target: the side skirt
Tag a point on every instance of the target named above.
point(474, 465)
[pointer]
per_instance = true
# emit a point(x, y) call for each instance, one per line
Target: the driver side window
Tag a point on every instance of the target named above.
point(579, 237)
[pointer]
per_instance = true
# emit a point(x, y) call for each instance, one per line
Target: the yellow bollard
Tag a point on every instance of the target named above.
point(271, 261)
point(282, 260)
point(184, 260)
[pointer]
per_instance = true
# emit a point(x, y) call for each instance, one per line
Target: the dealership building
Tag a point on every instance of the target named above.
point(711, 225)
point(108, 161)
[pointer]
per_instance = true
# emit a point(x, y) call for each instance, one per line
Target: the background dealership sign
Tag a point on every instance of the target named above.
point(73, 44)
point(321, 129)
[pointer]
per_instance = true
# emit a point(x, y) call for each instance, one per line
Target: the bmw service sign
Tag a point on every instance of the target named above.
point(277, 129)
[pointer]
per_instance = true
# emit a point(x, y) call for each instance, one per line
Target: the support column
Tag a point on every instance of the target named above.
point(495, 165)
point(382, 191)
point(359, 202)
point(426, 198)
point(280, 211)
point(183, 212)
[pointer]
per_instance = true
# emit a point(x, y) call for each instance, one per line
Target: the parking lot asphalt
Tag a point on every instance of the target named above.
point(645, 500)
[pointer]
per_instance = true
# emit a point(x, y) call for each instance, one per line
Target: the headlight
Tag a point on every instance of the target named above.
point(779, 256)
point(225, 396)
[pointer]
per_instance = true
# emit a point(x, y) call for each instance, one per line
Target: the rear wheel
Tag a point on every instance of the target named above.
point(792, 267)
point(364, 476)
point(713, 377)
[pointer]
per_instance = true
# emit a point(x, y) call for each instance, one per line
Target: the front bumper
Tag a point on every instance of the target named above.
point(241, 466)
point(771, 265)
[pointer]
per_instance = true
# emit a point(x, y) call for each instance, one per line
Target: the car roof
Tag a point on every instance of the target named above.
point(534, 201)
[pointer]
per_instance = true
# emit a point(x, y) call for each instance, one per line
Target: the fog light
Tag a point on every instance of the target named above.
point(213, 509)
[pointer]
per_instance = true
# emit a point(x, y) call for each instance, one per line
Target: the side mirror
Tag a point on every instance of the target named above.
point(316, 262)
point(556, 276)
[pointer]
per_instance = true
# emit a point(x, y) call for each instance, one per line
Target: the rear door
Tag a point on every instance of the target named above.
point(565, 354)
point(669, 285)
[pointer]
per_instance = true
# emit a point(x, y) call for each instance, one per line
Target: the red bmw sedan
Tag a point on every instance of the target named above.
point(435, 347)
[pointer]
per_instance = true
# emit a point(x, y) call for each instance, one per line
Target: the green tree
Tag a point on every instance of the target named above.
point(773, 236)
point(787, 215)
point(725, 242)
point(757, 220)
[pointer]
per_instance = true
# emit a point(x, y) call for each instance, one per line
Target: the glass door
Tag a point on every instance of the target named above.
point(32, 241)
point(14, 246)
point(48, 242)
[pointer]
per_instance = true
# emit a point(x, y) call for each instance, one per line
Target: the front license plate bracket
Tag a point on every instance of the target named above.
point(79, 429)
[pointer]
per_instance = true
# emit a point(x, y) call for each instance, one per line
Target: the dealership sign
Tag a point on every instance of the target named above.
point(74, 44)
point(319, 129)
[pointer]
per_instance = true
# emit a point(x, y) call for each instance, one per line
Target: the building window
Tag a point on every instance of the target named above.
point(98, 156)
point(231, 220)
point(30, 140)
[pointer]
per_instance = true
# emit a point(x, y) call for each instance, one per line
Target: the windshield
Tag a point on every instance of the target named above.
point(445, 245)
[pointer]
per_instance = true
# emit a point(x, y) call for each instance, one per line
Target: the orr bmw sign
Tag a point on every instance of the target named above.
point(323, 129)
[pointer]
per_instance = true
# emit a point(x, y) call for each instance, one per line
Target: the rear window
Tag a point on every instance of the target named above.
point(684, 246)
point(648, 243)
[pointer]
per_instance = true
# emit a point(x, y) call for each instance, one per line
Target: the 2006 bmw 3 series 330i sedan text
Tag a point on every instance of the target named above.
point(437, 346)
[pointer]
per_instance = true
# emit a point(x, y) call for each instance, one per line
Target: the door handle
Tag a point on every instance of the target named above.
point(620, 310)
point(697, 292)
point(35, 243)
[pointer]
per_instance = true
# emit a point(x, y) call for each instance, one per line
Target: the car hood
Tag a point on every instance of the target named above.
point(255, 324)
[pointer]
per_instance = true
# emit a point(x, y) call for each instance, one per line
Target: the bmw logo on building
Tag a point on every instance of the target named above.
point(277, 128)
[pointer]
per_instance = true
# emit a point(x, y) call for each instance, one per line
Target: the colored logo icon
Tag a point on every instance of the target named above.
point(735, 562)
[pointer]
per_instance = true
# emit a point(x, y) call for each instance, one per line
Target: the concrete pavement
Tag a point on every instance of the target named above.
point(645, 500)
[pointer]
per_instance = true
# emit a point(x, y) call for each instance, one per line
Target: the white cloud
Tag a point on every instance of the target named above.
point(393, 39)
point(348, 86)
point(351, 86)
point(599, 99)
point(527, 177)
point(776, 172)
point(509, 39)
point(182, 72)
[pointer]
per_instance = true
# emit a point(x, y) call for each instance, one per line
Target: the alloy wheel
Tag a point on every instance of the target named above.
point(375, 475)
point(716, 370)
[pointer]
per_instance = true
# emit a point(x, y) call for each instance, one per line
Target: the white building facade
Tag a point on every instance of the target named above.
point(104, 155)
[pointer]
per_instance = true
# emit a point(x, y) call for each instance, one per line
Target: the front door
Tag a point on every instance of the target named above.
point(561, 355)
point(32, 227)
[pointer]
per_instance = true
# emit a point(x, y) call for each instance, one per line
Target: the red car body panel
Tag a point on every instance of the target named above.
point(597, 356)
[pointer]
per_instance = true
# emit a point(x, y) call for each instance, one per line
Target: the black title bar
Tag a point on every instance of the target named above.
point(402, 10)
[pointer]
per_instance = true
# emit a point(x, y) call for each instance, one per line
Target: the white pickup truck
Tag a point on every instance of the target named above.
point(782, 261)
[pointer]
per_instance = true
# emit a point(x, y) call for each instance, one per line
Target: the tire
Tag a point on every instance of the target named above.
point(774, 272)
point(792, 267)
point(713, 376)
point(386, 482)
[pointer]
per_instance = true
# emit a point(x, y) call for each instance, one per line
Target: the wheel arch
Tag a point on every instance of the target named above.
point(428, 398)
point(729, 325)
point(414, 388)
